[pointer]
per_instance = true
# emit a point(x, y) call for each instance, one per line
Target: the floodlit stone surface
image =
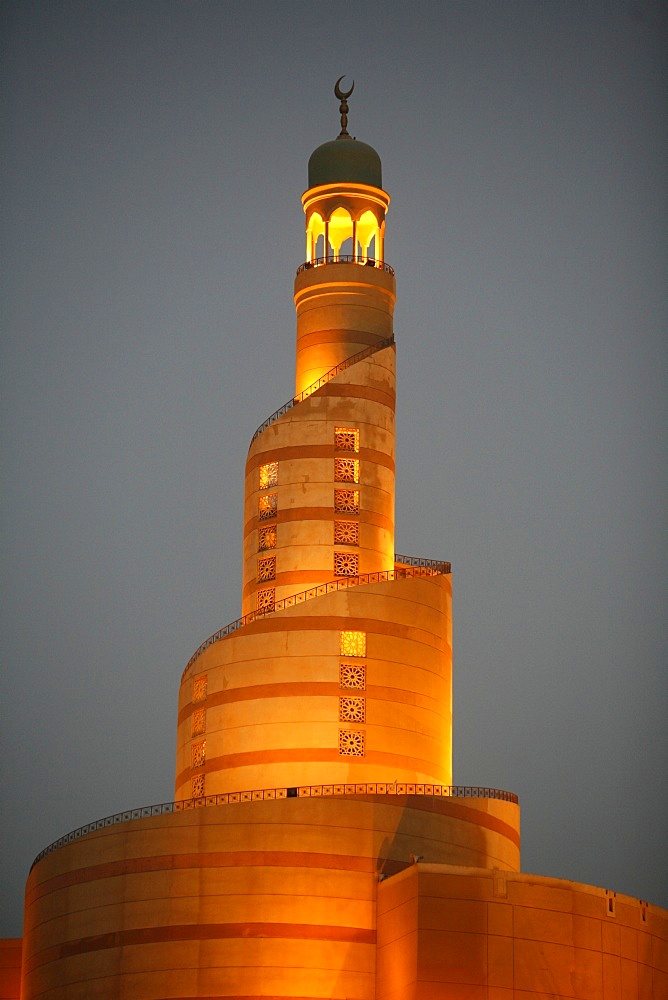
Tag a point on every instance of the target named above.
point(273, 892)
point(446, 932)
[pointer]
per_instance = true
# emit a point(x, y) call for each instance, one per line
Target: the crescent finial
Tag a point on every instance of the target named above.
point(343, 96)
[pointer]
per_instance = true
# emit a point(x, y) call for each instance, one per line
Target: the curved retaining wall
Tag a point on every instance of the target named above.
point(254, 899)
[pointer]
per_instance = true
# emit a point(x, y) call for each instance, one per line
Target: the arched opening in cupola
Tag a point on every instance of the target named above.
point(369, 237)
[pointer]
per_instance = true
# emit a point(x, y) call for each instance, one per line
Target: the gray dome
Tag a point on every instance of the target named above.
point(344, 160)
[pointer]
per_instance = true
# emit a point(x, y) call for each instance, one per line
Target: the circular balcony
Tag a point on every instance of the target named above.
point(346, 258)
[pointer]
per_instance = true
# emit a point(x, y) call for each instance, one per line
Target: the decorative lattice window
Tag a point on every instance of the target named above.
point(346, 533)
point(267, 537)
point(347, 501)
point(198, 722)
point(351, 709)
point(347, 470)
point(266, 599)
point(197, 786)
point(267, 506)
point(198, 754)
point(346, 564)
point(266, 568)
point(351, 743)
point(352, 676)
point(347, 439)
point(353, 643)
point(268, 475)
point(199, 688)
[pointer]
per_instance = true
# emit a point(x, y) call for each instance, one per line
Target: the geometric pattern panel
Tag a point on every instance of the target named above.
point(198, 754)
point(266, 568)
point(347, 439)
point(352, 676)
point(267, 506)
point(197, 786)
point(198, 722)
point(199, 688)
point(346, 564)
point(353, 643)
point(268, 475)
point(266, 599)
point(346, 470)
point(351, 743)
point(346, 501)
point(351, 710)
point(346, 532)
point(267, 537)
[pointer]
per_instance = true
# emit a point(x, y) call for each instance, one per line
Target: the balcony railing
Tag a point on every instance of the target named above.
point(323, 380)
point(416, 561)
point(415, 568)
point(300, 791)
point(345, 258)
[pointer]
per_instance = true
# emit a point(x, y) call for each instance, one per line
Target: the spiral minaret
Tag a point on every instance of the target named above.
point(340, 669)
point(316, 847)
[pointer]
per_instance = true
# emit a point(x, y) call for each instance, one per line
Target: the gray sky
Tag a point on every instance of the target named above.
point(154, 157)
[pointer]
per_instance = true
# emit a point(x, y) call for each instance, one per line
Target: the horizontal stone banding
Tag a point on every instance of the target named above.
point(308, 755)
point(301, 579)
point(211, 859)
point(305, 451)
point(386, 397)
point(338, 336)
point(302, 689)
point(201, 932)
point(322, 514)
point(372, 626)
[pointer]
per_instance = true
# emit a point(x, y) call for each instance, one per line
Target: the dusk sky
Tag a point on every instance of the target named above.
point(154, 154)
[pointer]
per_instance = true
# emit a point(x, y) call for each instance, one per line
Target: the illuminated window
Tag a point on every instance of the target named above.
point(347, 501)
point(346, 564)
point(268, 475)
point(267, 506)
point(353, 643)
point(197, 786)
point(352, 676)
point(351, 709)
point(198, 754)
point(266, 568)
point(266, 599)
point(347, 470)
point(198, 722)
point(346, 533)
point(267, 537)
point(199, 688)
point(347, 439)
point(351, 743)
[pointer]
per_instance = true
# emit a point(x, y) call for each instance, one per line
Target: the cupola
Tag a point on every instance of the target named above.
point(345, 204)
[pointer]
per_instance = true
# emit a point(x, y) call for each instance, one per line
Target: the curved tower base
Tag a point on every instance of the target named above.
point(271, 897)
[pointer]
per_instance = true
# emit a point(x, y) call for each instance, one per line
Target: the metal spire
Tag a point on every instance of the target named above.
point(343, 96)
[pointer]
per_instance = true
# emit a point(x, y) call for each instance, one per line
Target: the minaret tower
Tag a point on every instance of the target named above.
point(339, 669)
